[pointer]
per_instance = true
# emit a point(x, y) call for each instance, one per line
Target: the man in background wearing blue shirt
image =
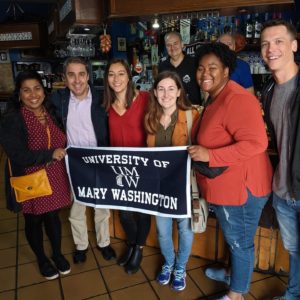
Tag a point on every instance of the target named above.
point(241, 74)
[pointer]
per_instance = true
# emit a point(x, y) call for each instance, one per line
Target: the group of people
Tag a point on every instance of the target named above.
point(230, 132)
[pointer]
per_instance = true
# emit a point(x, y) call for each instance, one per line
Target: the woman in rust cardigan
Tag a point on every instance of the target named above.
point(166, 125)
point(232, 133)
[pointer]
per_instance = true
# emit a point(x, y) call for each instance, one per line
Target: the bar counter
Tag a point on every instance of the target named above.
point(270, 255)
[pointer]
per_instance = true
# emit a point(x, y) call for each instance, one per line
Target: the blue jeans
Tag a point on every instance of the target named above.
point(239, 224)
point(288, 216)
point(164, 227)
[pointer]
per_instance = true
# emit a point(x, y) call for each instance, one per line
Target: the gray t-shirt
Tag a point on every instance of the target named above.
point(279, 112)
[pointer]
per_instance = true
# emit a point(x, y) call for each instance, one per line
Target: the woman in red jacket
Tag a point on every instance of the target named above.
point(232, 133)
point(126, 107)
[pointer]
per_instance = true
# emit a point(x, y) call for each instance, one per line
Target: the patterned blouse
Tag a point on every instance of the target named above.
point(56, 171)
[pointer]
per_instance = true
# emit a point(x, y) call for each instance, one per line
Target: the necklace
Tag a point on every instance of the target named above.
point(42, 116)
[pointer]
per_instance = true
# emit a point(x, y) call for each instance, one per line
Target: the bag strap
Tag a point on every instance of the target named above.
point(9, 167)
point(195, 190)
point(49, 137)
point(189, 119)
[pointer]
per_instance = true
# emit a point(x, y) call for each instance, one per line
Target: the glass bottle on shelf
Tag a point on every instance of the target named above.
point(257, 28)
point(217, 29)
point(238, 28)
point(44, 79)
point(211, 32)
point(49, 82)
point(266, 17)
point(249, 29)
point(135, 57)
point(279, 16)
point(232, 25)
point(227, 28)
point(205, 31)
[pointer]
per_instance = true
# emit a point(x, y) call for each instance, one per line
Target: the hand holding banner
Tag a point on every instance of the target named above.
point(150, 180)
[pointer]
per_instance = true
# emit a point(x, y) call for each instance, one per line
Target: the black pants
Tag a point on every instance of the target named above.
point(34, 233)
point(136, 226)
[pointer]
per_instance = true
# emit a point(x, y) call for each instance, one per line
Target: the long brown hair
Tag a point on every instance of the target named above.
point(109, 93)
point(154, 110)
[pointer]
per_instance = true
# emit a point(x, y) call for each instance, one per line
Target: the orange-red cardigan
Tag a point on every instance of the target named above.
point(233, 130)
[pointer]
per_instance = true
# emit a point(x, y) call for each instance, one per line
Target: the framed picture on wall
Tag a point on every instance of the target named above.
point(4, 56)
point(121, 42)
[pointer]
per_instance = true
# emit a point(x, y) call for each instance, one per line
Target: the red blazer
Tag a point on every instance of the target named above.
point(233, 130)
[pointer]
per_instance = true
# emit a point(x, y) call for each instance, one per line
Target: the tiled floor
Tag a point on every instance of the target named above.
point(99, 279)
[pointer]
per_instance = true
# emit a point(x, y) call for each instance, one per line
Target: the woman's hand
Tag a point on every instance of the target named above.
point(59, 154)
point(198, 153)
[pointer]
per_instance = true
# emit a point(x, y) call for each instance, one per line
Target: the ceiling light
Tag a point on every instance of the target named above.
point(155, 24)
point(86, 29)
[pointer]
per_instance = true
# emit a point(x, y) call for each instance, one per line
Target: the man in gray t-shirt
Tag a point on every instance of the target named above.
point(279, 113)
point(281, 104)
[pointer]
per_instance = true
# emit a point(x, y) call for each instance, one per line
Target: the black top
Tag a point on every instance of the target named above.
point(14, 139)
point(187, 72)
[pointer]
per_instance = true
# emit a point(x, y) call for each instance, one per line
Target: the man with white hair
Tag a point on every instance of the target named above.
point(182, 64)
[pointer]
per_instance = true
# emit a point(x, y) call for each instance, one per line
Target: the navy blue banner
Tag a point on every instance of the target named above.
point(150, 180)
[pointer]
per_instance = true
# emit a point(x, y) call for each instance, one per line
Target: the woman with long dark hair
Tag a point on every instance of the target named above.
point(126, 107)
point(33, 140)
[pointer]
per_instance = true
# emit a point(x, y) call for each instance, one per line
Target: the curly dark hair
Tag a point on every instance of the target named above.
point(226, 56)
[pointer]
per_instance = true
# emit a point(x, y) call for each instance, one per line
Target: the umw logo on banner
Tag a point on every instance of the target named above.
point(125, 175)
